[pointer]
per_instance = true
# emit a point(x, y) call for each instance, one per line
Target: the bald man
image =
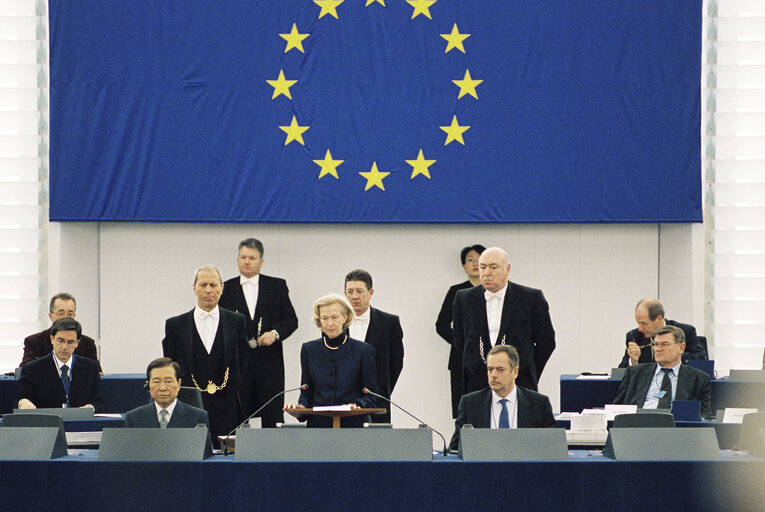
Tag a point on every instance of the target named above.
point(500, 312)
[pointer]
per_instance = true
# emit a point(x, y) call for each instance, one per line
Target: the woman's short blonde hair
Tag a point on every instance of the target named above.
point(328, 300)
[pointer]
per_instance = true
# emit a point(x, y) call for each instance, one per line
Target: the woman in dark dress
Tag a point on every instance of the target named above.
point(335, 368)
point(469, 258)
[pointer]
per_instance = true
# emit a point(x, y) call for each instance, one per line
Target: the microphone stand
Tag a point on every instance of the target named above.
point(277, 395)
point(445, 452)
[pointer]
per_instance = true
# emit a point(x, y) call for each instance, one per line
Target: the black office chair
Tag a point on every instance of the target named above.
point(190, 396)
point(749, 437)
point(641, 420)
point(703, 343)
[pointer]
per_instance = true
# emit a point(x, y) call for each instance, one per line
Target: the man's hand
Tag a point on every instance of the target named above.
point(266, 339)
point(90, 406)
point(633, 350)
point(293, 407)
point(26, 404)
point(353, 406)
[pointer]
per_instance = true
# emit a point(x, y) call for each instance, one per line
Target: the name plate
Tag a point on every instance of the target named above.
point(484, 444)
point(184, 444)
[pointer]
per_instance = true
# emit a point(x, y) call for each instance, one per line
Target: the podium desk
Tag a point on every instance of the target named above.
point(121, 391)
point(578, 394)
point(585, 481)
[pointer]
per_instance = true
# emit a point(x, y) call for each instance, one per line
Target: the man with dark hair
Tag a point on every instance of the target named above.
point(61, 379)
point(657, 385)
point(502, 404)
point(500, 312)
point(163, 378)
point(649, 315)
point(380, 329)
point(62, 305)
point(270, 319)
point(469, 258)
point(209, 344)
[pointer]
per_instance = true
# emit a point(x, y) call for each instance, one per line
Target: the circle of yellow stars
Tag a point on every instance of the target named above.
point(455, 40)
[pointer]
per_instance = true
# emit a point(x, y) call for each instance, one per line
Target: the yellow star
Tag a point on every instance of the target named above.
point(294, 132)
point(467, 85)
point(420, 166)
point(454, 132)
point(294, 39)
point(455, 39)
point(328, 7)
point(370, 2)
point(282, 86)
point(421, 7)
point(374, 177)
point(328, 166)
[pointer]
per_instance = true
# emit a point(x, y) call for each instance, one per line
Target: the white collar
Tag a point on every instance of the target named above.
point(201, 313)
point(511, 397)
point(170, 408)
point(675, 369)
point(60, 363)
point(501, 293)
point(363, 317)
point(252, 280)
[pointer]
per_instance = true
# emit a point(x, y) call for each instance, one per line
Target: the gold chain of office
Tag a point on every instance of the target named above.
point(211, 388)
point(480, 346)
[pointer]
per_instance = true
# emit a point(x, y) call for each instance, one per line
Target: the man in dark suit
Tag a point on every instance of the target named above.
point(38, 345)
point(163, 378)
point(270, 320)
point(649, 315)
point(502, 404)
point(208, 343)
point(501, 312)
point(378, 328)
point(656, 385)
point(61, 378)
point(469, 258)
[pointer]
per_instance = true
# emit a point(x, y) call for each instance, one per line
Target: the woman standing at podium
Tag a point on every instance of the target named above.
point(335, 367)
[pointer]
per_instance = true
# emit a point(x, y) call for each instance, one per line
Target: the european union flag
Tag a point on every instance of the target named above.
point(374, 111)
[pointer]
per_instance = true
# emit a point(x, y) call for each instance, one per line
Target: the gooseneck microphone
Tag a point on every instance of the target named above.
point(368, 391)
point(277, 395)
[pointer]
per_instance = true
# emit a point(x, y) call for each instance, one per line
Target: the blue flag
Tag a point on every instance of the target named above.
point(375, 111)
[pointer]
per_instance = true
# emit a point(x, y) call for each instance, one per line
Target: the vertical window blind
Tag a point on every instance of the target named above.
point(733, 117)
point(23, 173)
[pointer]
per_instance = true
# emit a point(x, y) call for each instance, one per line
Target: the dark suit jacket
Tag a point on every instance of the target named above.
point(444, 320)
point(179, 338)
point(337, 377)
point(184, 416)
point(693, 349)
point(386, 337)
point(534, 411)
point(39, 345)
point(41, 384)
point(692, 384)
point(525, 324)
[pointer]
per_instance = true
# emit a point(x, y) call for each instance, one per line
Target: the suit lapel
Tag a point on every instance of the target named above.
point(179, 413)
point(508, 313)
point(524, 410)
point(373, 331)
point(54, 379)
point(263, 291)
point(241, 302)
point(684, 384)
point(643, 384)
point(480, 313)
point(486, 406)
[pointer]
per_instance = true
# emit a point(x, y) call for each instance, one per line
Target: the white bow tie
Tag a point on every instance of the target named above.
point(205, 315)
point(489, 295)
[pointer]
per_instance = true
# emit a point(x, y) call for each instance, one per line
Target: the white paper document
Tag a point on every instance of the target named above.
point(613, 409)
point(736, 414)
point(333, 408)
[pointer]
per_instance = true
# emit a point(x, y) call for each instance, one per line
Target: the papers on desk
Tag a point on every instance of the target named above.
point(736, 414)
point(332, 408)
point(108, 415)
point(587, 428)
point(592, 377)
point(612, 410)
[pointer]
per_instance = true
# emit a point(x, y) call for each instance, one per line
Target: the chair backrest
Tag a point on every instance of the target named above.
point(190, 396)
point(703, 343)
point(749, 437)
point(639, 420)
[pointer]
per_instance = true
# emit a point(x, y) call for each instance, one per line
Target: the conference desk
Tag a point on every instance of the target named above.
point(578, 394)
point(585, 482)
point(122, 392)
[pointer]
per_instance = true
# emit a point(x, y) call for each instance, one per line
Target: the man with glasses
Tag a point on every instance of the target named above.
point(649, 315)
point(656, 385)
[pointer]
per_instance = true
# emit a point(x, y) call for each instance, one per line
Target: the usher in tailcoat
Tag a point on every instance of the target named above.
point(264, 374)
point(41, 384)
point(534, 411)
point(525, 324)
point(384, 334)
point(444, 329)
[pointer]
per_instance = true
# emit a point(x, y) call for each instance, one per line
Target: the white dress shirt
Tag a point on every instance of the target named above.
point(494, 304)
point(360, 325)
point(512, 408)
point(207, 325)
point(652, 396)
point(250, 287)
point(170, 408)
point(60, 363)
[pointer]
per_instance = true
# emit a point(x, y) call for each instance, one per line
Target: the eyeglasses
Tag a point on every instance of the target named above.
point(662, 345)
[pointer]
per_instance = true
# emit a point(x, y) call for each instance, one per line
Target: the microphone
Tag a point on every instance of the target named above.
point(303, 387)
point(445, 452)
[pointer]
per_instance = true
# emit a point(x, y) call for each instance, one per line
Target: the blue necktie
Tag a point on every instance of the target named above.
point(504, 419)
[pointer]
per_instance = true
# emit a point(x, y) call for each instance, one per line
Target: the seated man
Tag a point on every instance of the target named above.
point(37, 345)
point(61, 379)
point(163, 376)
point(505, 405)
point(656, 385)
point(649, 315)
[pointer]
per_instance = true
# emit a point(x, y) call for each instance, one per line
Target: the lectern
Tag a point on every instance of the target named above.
point(335, 415)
